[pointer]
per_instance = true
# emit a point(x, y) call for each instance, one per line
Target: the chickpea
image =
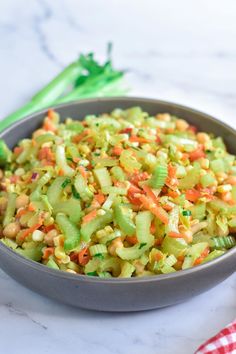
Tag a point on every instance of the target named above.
point(203, 138)
point(11, 230)
point(21, 201)
point(117, 243)
point(181, 125)
point(38, 132)
point(48, 238)
point(221, 176)
point(231, 180)
point(164, 116)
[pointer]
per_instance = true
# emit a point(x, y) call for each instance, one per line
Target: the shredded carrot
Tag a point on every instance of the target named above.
point(21, 212)
point(61, 172)
point(192, 195)
point(175, 234)
point(158, 256)
point(17, 150)
point(47, 252)
point(138, 139)
point(31, 207)
point(133, 194)
point(173, 194)
point(48, 125)
point(89, 217)
point(48, 228)
point(83, 256)
point(138, 177)
point(167, 207)
point(83, 172)
point(149, 192)
point(117, 150)
point(153, 228)
point(158, 211)
point(29, 231)
point(51, 113)
point(197, 154)
point(201, 258)
point(77, 138)
point(100, 198)
point(132, 240)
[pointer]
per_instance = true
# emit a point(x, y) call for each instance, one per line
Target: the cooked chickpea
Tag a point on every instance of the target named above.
point(181, 125)
point(38, 132)
point(221, 176)
point(48, 238)
point(231, 180)
point(203, 138)
point(117, 243)
point(11, 230)
point(164, 116)
point(21, 201)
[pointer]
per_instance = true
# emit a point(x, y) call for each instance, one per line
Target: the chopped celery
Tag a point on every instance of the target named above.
point(127, 270)
point(70, 232)
point(55, 190)
point(191, 179)
point(143, 222)
point(173, 220)
point(198, 211)
point(9, 243)
point(52, 264)
point(212, 255)
point(34, 254)
point(134, 252)
point(110, 264)
point(193, 253)
point(158, 177)
point(114, 190)
point(82, 188)
point(123, 217)
point(10, 211)
point(129, 162)
point(71, 208)
point(45, 138)
point(188, 144)
point(207, 180)
point(224, 242)
point(61, 161)
point(217, 165)
point(5, 154)
point(97, 249)
point(174, 246)
point(118, 173)
point(94, 225)
point(76, 127)
point(103, 177)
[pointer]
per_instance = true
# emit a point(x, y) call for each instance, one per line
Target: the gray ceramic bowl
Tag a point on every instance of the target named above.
point(118, 294)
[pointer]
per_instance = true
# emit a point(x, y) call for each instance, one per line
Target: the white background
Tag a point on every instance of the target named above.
point(182, 51)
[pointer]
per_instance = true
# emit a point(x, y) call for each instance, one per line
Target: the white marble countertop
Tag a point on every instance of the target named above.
point(182, 51)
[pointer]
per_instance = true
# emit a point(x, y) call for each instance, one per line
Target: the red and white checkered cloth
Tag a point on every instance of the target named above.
point(223, 342)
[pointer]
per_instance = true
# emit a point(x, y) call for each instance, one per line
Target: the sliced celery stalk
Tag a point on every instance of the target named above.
point(70, 231)
point(123, 219)
point(177, 247)
point(96, 224)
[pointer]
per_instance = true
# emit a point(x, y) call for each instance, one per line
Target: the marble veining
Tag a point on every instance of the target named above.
point(179, 51)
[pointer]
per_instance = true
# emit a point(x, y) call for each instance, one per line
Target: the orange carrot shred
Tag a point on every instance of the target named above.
point(90, 216)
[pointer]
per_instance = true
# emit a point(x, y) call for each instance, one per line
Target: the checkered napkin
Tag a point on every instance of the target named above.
point(223, 342)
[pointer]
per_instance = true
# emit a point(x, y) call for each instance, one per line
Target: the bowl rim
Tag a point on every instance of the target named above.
point(94, 279)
